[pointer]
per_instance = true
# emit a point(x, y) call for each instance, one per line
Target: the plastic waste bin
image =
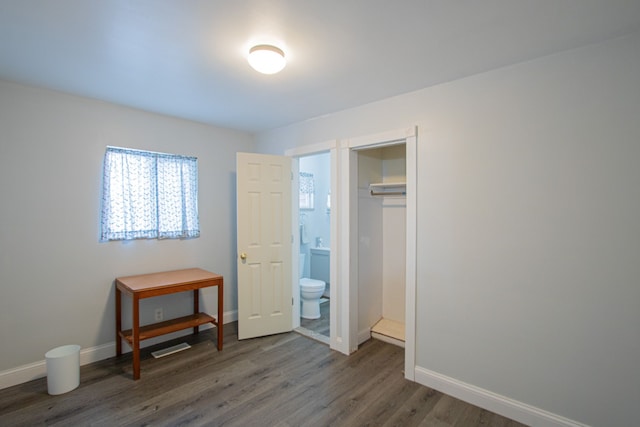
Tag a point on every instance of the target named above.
point(63, 369)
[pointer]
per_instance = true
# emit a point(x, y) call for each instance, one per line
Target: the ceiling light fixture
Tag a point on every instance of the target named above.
point(266, 59)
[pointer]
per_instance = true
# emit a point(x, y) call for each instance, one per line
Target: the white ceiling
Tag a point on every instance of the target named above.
point(187, 58)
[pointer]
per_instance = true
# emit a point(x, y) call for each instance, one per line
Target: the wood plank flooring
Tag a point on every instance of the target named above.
point(281, 380)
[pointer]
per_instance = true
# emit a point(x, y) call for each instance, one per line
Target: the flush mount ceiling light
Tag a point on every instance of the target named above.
point(266, 59)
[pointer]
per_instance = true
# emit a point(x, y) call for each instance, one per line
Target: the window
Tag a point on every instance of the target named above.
point(307, 190)
point(149, 195)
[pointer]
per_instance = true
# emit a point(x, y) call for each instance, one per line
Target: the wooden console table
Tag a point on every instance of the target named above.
point(156, 284)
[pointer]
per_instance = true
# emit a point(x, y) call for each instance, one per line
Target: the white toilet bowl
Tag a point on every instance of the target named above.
point(311, 291)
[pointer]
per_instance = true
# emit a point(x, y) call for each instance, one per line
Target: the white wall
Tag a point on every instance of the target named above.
point(370, 243)
point(316, 220)
point(528, 230)
point(394, 236)
point(394, 226)
point(56, 279)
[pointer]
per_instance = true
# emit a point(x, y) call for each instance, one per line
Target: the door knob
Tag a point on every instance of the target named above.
point(243, 256)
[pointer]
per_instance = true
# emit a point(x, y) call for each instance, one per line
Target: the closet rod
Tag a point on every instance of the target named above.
point(388, 193)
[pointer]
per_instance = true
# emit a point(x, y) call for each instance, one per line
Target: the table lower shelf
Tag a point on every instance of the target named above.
point(168, 326)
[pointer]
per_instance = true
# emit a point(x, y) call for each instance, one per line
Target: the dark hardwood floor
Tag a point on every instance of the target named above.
point(280, 380)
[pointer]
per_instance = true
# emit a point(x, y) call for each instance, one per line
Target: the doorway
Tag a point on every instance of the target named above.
point(314, 245)
point(337, 339)
point(344, 240)
point(350, 239)
point(381, 235)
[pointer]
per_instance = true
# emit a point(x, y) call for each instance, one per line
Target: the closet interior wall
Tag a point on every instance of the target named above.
point(381, 239)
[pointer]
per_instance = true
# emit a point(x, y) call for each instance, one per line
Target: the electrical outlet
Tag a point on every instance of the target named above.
point(158, 314)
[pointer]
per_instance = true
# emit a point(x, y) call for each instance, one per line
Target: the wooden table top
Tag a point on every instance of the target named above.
point(145, 282)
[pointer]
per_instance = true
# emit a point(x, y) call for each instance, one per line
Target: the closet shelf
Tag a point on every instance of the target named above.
point(388, 189)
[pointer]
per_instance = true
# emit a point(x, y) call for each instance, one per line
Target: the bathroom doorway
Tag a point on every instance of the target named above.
point(314, 245)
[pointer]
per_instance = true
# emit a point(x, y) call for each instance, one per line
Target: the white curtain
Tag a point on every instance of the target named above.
point(149, 195)
point(307, 190)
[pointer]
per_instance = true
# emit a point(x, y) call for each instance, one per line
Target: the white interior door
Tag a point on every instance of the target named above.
point(264, 244)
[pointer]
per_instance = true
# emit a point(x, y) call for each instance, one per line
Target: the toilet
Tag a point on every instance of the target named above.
point(311, 291)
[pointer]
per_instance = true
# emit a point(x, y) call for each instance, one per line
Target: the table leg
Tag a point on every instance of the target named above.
point(196, 307)
point(136, 337)
point(118, 321)
point(220, 314)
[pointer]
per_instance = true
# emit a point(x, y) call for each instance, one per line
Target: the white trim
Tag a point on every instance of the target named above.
point(518, 411)
point(341, 324)
point(349, 246)
point(364, 335)
point(319, 147)
point(348, 217)
point(338, 340)
point(295, 243)
point(382, 139)
point(35, 370)
point(389, 340)
point(411, 258)
point(227, 317)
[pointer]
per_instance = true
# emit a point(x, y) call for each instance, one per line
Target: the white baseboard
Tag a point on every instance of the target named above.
point(35, 370)
point(364, 335)
point(387, 339)
point(510, 408)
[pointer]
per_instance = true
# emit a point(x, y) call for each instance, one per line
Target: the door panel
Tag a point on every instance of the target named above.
point(264, 236)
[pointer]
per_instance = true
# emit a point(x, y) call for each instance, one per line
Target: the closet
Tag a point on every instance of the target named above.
point(382, 243)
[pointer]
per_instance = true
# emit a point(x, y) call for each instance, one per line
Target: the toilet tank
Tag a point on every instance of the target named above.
point(320, 264)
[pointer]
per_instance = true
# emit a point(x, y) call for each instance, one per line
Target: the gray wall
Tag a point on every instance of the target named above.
point(56, 279)
point(528, 226)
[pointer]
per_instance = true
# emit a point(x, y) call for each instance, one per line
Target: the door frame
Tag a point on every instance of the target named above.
point(348, 224)
point(344, 237)
point(338, 336)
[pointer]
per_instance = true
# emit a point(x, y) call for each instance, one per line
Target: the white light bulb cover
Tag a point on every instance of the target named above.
point(266, 59)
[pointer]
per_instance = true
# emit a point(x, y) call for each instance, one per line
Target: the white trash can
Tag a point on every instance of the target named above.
point(63, 369)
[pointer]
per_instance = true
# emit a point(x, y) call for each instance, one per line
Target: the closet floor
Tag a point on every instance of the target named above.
point(389, 331)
